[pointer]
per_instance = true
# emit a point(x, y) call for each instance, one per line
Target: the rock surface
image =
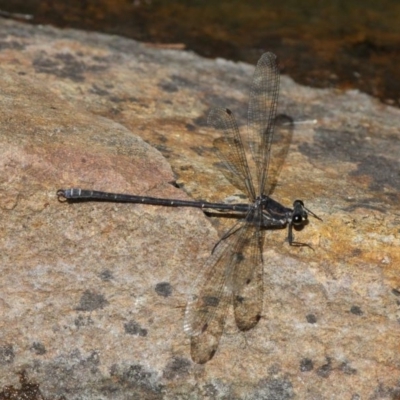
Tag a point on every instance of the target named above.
point(93, 294)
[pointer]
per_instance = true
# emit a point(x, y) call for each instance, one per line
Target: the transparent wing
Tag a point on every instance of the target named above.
point(207, 309)
point(213, 288)
point(231, 151)
point(261, 116)
point(204, 346)
point(248, 287)
point(280, 144)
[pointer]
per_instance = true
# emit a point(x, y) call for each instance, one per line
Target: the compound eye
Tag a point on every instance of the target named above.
point(297, 203)
point(297, 219)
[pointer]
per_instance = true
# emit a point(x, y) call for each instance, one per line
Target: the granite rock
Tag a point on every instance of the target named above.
point(93, 294)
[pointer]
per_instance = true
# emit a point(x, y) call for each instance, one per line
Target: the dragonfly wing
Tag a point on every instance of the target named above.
point(281, 140)
point(248, 287)
point(204, 346)
point(261, 115)
point(231, 151)
point(206, 311)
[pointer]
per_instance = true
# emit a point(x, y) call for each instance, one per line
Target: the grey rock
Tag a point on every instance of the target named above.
point(93, 294)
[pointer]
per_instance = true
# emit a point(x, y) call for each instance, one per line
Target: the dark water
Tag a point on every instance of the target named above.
point(343, 44)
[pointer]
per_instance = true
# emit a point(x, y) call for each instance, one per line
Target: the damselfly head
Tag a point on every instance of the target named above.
point(299, 216)
point(300, 213)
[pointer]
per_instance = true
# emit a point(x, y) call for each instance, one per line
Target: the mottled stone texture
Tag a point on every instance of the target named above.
point(92, 294)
